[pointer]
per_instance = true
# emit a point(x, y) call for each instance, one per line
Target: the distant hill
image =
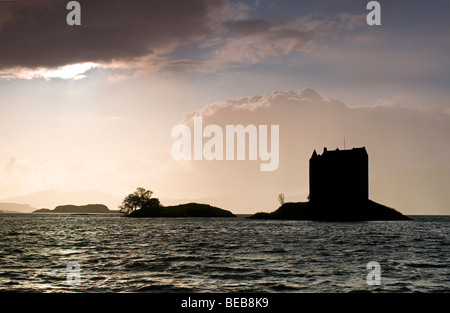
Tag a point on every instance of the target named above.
point(16, 208)
point(88, 209)
point(183, 210)
point(52, 198)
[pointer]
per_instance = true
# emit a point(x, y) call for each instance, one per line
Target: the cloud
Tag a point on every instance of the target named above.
point(397, 139)
point(37, 35)
point(71, 71)
point(248, 41)
point(145, 36)
point(248, 26)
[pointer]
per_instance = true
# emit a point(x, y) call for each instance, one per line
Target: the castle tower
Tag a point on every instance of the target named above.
point(339, 176)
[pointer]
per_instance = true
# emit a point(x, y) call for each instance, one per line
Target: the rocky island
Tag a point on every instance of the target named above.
point(141, 204)
point(329, 212)
point(182, 210)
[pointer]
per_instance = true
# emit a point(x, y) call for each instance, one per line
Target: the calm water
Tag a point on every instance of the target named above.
point(119, 254)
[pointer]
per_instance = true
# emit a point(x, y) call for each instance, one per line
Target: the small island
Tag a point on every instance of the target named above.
point(141, 204)
point(339, 191)
point(79, 209)
point(337, 212)
point(182, 210)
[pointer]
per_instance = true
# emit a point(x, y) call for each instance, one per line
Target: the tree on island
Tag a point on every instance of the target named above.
point(141, 198)
point(281, 198)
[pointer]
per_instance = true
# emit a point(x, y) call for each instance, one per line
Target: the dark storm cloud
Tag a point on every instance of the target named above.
point(34, 33)
point(247, 27)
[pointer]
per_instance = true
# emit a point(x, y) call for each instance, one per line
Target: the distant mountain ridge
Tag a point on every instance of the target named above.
point(52, 198)
point(16, 208)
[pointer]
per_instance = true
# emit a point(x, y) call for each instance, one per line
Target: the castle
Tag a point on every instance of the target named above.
point(339, 176)
point(338, 191)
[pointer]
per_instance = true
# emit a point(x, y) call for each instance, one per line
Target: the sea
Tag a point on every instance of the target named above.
point(64, 253)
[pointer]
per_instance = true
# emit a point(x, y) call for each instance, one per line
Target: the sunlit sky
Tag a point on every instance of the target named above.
point(91, 107)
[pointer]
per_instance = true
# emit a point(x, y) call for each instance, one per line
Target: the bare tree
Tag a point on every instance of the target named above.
point(281, 198)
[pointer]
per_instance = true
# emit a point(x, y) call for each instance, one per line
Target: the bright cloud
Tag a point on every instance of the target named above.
point(71, 71)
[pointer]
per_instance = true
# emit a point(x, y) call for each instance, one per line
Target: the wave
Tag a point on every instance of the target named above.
point(193, 256)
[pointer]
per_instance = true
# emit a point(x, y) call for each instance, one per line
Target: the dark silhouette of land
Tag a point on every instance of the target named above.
point(339, 191)
point(182, 210)
point(337, 212)
point(86, 209)
point(140, 203)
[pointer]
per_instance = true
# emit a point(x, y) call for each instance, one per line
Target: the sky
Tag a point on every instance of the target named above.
point(92, 106)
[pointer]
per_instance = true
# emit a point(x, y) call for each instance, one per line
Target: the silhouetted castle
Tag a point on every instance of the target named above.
point(339, 175)
point(338, 191)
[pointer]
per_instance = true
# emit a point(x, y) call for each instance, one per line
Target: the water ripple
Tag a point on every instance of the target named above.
point(117, 254)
